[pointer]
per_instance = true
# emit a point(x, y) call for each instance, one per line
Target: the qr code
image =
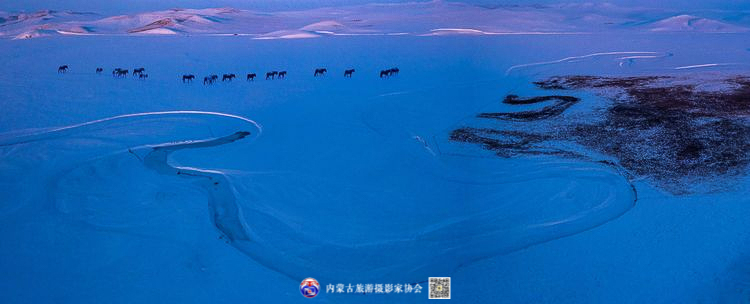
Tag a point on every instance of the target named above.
point(440, 288)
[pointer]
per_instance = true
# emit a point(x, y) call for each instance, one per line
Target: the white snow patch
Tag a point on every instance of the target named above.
point(577, 58)
point(459, 31)
point(697, 66)
point(288, 35)
point(158, 31)
point(33, 34)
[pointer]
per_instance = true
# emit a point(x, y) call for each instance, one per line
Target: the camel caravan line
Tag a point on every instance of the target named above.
point(211, 79)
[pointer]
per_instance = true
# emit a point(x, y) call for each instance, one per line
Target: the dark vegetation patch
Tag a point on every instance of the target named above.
point(581, 82)
point(562, 103)
point(667, 129)
point(507, 143)
point(515, 100)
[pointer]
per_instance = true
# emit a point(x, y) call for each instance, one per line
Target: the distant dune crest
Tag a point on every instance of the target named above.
point(693, 23)
point(435, 18)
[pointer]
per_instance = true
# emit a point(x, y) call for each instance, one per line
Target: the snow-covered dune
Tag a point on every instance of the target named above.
point(417, 18)
point(42, 23)
point(688, 23)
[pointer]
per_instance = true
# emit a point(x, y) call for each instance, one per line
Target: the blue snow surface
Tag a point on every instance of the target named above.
point(158, 191)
